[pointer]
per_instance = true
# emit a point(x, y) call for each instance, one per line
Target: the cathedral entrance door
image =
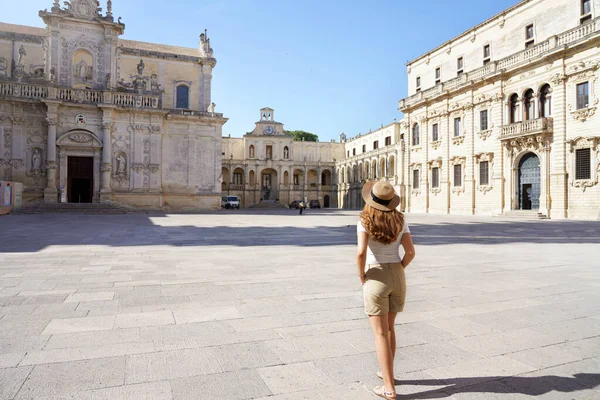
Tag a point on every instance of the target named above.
point(80, 175)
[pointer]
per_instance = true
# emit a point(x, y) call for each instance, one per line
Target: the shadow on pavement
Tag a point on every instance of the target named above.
point(30, 233)
point(532, 386)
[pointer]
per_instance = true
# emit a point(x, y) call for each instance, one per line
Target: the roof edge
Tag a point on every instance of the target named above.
point(486, 22)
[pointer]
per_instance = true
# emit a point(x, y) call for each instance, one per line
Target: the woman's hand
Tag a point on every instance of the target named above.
point(363, 279)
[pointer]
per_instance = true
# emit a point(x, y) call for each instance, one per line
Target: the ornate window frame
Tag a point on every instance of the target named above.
point(416, 167)
point(437, 163)
point(592, 143)
point(436, 144)
point(457, 160)
point(489, 157)
point(460, 139)
point(484, 134)
point(581, 73)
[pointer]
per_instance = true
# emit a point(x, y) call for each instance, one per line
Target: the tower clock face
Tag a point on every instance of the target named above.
point(269, 130)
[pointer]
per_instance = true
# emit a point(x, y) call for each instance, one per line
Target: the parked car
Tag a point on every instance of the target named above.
point(295, 204)
point(230, 202)
point(314, 204)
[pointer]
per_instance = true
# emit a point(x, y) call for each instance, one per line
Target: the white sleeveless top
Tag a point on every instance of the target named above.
point(379, 253)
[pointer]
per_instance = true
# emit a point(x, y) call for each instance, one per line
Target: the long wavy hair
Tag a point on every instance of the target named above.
point(384, 227)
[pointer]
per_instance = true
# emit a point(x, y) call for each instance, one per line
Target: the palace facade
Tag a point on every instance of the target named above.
point(500, 119)
point(267, 165)
point(86, 116)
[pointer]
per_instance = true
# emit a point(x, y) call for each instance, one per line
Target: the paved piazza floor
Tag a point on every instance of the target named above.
point(267, 305)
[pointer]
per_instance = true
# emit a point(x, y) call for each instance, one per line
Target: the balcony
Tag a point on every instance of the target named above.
point(526, 128)
point(25, 91)
point(553, 44)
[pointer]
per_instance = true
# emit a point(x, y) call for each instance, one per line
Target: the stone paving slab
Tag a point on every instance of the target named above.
point(261, 304)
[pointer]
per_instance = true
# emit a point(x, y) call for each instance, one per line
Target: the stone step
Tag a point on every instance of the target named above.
point(524, 215)
point(81, 208)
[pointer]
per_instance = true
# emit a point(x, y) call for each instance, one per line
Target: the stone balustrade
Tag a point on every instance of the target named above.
point(515, 60)
point(524, 128)
point(28, 91)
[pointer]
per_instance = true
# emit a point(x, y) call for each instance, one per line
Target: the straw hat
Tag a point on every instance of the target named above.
point(380, 195)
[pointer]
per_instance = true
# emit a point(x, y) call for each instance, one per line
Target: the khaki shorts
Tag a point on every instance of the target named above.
point(385, 289)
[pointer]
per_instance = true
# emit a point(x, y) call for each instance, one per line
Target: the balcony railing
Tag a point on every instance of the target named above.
point(567, 38)
point(85, 96)
point(525, 128)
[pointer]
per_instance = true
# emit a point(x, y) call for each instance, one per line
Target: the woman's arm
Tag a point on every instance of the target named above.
point(409, 249)
point(361, 254)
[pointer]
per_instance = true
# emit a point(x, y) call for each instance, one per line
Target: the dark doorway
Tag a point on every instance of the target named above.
point(80, 174)
point(529, 182)
point(326, 201)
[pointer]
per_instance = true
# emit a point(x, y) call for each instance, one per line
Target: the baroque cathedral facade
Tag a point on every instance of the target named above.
point(86, 116)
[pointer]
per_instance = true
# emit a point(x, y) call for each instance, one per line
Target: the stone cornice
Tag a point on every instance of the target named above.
point(21, 37)
point(168, 56)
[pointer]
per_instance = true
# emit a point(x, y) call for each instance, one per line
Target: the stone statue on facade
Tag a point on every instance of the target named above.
point(140, 68)
point(211, 108)
point(154, 85)
point(22, 56)
point(36, 161)
point(107, 81)
point(121, 164)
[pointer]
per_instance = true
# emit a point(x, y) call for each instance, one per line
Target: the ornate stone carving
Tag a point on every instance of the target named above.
point(138, 167)
point(17, 163)
point(80, 138)
point(456, 160)
point(106, 167)
point(415, 148)
point(458, 140)
point(483, 135)
point(51, 165)
point(154, 168)
point(436, 145)
point(557, 79)
point(583, 114)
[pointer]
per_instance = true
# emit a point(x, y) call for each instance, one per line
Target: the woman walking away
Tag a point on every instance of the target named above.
point(381, 231)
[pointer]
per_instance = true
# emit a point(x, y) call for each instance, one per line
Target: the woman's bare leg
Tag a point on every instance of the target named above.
point(379, 323)
point(392, 337)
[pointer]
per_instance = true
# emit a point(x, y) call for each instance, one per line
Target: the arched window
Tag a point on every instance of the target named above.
point(545, 101)
point(513, 106)
point(251, 151)
point(286, 153)
point(183, 97)
point(415, 135)
point(529, 105)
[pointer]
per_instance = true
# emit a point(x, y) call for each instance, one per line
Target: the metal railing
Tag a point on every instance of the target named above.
point(514, 60)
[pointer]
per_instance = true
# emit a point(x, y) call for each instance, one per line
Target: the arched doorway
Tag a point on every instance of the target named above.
point(269, 186)
point(529, 182)
point(326, 201)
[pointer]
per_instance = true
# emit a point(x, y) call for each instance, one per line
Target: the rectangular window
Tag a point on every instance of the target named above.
point(457, 130)
point(484, 173)
point(459, 65)
point(583, 95)
point(529, 36)
point(353, 152)
point(438, 75)
point(586, 11)
point(388, 140)
point(416, 182)
point(483, 120)
point(237, 178)
point(583, 168)
point(435, 134)
point(457, 175)
point(376, 145)
point(418, 83)
point(435, 177)
point(364, 148)
point(486, 54)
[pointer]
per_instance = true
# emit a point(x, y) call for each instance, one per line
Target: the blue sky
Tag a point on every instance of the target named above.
point(325, 66)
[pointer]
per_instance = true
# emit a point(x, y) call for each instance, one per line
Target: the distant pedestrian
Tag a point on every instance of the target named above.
point(301, 207)
point(381, 231)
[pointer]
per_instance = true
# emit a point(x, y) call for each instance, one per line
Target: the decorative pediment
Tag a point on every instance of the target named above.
point(79, 138)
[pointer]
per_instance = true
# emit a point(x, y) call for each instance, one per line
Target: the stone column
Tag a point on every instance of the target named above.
point(106, 167)
point(50, 193)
